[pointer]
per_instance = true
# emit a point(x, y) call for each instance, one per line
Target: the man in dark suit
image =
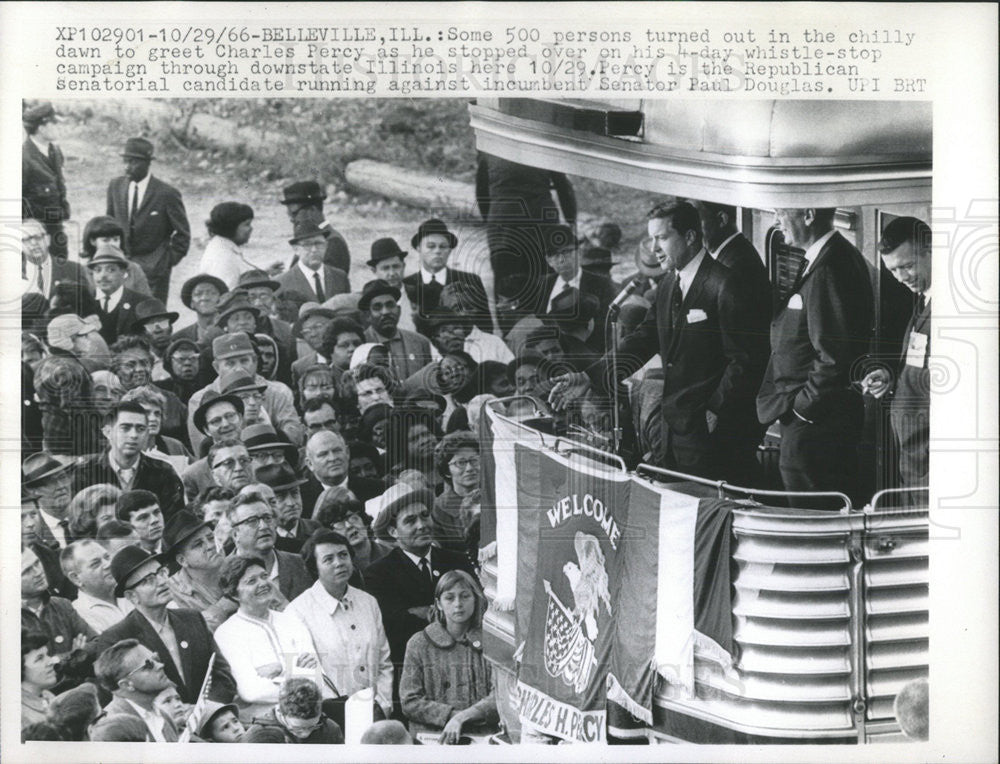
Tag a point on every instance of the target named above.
point(434, 243)
point(408, 351)
point(303, 201)
point(293, 530)
point(403, 581)
point(328, 460)
point(42, 273)
point(562, 256)
point(310, 276)
point(178, 636)
point(254, 533)
point(124, 465)
point(906, 254)
point(820, 329)
point(117, 304)
point(43, 189)
point(711, 365)
point(157, 233)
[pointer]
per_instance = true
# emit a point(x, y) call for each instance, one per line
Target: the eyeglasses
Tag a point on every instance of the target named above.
point(461, 464)
point(150, 664)
point(269, 456)
point(232, 461)
point(161, 572)
point(184, 357)
point(254, 521)
point(215, 421)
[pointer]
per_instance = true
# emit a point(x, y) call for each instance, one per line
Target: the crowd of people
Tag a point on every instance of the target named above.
point(230, 528)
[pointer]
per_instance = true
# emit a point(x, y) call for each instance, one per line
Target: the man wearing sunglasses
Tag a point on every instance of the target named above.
point(179, 637)
point(134, 676)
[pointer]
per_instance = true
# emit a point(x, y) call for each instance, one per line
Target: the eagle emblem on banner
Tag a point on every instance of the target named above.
point(570, 633)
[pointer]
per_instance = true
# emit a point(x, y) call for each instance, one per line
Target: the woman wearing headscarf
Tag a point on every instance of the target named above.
point(230, 224)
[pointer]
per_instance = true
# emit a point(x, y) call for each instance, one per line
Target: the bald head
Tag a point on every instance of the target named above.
point(388, 732)
point(328, 458)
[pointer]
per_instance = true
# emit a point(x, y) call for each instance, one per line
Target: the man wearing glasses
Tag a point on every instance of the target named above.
point(232, 467)
point(134, 676)
point(254, 524)
point(179, 637)
point(280, 481)
point(220, 418)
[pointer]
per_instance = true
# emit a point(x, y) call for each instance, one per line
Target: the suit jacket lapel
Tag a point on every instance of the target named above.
point(147, 198)
point(187, 656)
point(151, 639)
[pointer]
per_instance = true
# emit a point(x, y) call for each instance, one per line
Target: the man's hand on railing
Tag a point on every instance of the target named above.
point(568, 387)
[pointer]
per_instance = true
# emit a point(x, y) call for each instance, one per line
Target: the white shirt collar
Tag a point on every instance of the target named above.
point(143, 185)
point(113, 299)
point(90, 602)
point(309, 272)
point(426, 276)
point(31, 274)
point(330, 603)
point(416, 560)
point(152, 719)
point(273, 575)
point(715, 252)
point(561, 285)
point(54, 526)
point(814, 249)
point(686, 274)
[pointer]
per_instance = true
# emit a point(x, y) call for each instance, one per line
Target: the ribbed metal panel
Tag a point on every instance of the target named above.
point(896, 604)
point(794, 660)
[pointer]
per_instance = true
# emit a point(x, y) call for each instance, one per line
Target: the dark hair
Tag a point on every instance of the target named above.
point(75, 710)
point(233, 569)
point(450, 445)
point(373, 415)
point(132, 342)
point(125, 407)
point(120, 728)
point(401, 421)
point(322, 536)
point(31, 640)
point(132, 501)
point(101, 226)
point(210, 494)
point(683, 216)
point(315, 404)
point(114, 529)
point(903, 230)
point(362, 448)
point(299, 698)
point(339, 325)
point(108, 666)
point(43, 730)
point(226, 217)
point(335, 509)
point(714, 208)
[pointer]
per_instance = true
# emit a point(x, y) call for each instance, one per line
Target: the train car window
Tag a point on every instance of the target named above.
point(783, 263)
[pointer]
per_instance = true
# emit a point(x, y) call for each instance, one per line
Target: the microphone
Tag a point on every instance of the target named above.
point(628, 291)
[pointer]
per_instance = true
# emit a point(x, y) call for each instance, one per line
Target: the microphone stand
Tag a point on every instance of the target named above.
point(616, 425)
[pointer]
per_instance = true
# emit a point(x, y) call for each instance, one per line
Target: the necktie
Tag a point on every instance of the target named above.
point(676, 301)
point(52, 155)
point(425, 569)
point(41, 280)
point(132, 211)
point(558, 295)
point(318, 286)
point(107, 301)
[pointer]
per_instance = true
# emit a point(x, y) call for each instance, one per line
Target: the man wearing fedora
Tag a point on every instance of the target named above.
point(434, 243)
point(191, 554)
point(310, 328)
point(117, 303)
point(235, 352)
point(43, 188)
point(219, 418)
point(408, 351)
point(154, 322)
point(151, 212)
point(303, 201)
point(266, 446)
point(49, 482)
point(311, 276)
point(124, 465)
point(403, 581)
point(386, 262)
point(202, 294)
point(261, 292)
point(178, 637)
point(292, 529)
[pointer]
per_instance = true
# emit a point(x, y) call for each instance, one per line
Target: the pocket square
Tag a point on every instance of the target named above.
point(154, 212)
point(795, 302)
point(695, 315)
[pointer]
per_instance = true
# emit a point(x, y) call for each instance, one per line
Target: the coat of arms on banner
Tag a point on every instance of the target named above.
point(570, 633)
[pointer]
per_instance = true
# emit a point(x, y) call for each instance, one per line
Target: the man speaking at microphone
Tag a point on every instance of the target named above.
point(714, 347)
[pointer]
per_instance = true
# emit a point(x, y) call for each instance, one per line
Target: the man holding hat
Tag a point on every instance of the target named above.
point(408, 351)
point(434, 243)
point(202, 294)
point(178, 637)
point(387, 264)
point(151, 212)
point(43, 189)
point(117, 303)
point(235, 352)
point(311, 276)
point(303, 201)
point(403, 581)
point(190, 551)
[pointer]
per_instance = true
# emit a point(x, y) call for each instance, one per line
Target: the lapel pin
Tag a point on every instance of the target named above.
point(59, 638)
point(127, 306)
point(184, 644)
point(437, 573)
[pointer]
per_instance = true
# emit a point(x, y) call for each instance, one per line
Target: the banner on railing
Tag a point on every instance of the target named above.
point(613, 581)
